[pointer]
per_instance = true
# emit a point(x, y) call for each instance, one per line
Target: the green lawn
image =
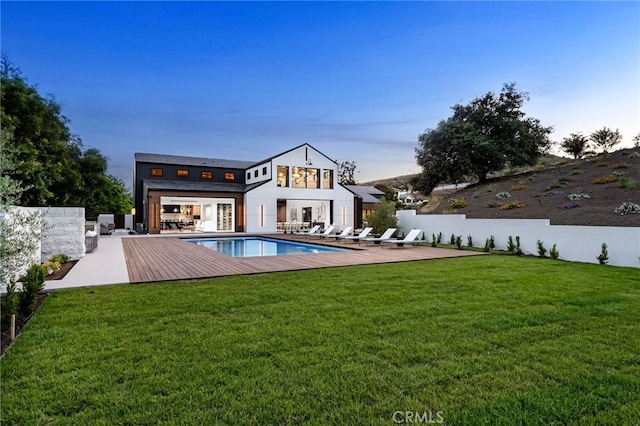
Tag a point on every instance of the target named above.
point(487, 339)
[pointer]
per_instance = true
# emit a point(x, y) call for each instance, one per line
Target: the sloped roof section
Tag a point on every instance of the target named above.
point(192, 161)
point(369, 194)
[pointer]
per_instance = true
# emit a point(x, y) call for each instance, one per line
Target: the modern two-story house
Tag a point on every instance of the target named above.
point(296, 188)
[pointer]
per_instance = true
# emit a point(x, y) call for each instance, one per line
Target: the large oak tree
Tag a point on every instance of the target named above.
point(486, 135)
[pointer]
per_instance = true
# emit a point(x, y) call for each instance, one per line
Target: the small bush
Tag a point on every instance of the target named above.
point(433, 241)
point(578, 196)
point(510, 245)
point(487, 246)
point(50, 266)
point(518, 250)
point(569, 206)
point(563, 181)
point(8, 306)
point(509, 206)
point(627, 207)
point(503, 195)
point(627, 183)
point(60, 258)
point(452, 240)
point(603, 257)
point(620, 166)
point(32, 283)
point(519, 187)
point(439, 239)
point(542, 251)
point(554, 253)
point(459, 204)
point(469, 241)
point(492, 204)
point(492, 242)
point(605, 179)
point(458, 242)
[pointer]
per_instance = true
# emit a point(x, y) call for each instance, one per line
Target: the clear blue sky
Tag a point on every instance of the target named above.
point(359, 81)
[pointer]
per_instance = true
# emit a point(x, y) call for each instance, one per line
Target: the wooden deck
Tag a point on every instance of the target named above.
point(166, 258)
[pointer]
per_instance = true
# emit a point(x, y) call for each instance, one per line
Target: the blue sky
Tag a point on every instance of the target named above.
point(357, 80)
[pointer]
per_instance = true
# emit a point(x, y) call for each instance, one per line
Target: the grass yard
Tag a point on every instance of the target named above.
point(480, 340)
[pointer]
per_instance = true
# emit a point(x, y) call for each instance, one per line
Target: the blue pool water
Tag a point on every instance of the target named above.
point(260, 246)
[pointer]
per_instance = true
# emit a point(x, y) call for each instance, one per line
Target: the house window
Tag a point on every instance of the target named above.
point(255, 173)
point(305, 178)
point(156, 172)
point(183, 173)
point(327, 179)
point(229, 176)
point(207, 175)
point(248, 175)
point(264, 171)
point(283, 176)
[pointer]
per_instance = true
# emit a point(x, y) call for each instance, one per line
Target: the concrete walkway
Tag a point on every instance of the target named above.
point(106, 265)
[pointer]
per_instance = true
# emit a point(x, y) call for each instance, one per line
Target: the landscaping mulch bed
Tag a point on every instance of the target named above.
point(22, 320)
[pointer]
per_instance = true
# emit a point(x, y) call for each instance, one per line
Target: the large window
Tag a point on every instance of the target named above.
point(229, 176)
point(327, 179)
point(283, 176)
point(303, 177)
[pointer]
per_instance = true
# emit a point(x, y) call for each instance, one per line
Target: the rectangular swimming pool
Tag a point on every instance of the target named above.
point(261, 246)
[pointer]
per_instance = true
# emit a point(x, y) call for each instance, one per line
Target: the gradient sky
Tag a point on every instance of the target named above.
point(358, 81)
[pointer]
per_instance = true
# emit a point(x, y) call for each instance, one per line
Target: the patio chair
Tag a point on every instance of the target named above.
point(362, 234)
point(409, 239)
point(311, 231)
point(326, 232)
point(346, 231)
point(385, 236)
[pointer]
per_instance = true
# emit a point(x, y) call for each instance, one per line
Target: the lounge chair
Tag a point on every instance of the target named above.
point(409, 239)
point(326, 232)
point(385, 236)
point(363, 234)
point(346, 231)
point(309, 232)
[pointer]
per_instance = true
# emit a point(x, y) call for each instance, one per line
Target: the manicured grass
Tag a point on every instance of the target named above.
point(480, 340)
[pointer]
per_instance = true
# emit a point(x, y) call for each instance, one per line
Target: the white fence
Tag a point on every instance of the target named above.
point(575, 243)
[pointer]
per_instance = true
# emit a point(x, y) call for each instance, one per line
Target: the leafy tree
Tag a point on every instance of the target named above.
point(390, 193)
point(383, 217)
point(606, 138)
point(576, 144)
point(346, 172)
point(636, 140)
point(487, 135)
point(49, 160)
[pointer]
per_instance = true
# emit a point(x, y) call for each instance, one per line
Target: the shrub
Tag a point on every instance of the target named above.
point(492, 204)
point(627, 183)
point(542, 251)
point(383, 217)
point(510, 245)
point(578, 196)
point(605, 179)
point(50, 267)
point(519, 187)
point(509, 206)
point(627, 207)
point(492, 242)
point(439, 237)
point(518, 250)
point(563, 181)
point(452, 240)
point(603, 257)
point(60, 258)
point(554, 253)
point(8, 306)
point(469, 241)
point(487, 246)
point(532, 177)
point(458, 204)
point(620, 166)
point(32, 283)
point(503, 195)
point(433, 241)
point(602, 164)
point(569, 206)
point(458, 242)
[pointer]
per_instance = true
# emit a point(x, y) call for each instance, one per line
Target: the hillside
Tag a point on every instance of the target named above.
point(543, 193)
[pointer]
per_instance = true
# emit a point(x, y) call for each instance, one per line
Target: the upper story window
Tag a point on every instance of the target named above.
point(156, 172)
point(207, 175)
point(264, 171)
point(183, 173)
point(255, 173)
point(229, 176)
point(248, 175)
point(303, 177)
point(283, 176)
point(327, 179)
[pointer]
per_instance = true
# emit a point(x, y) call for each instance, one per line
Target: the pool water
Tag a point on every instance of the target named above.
point(260, 246)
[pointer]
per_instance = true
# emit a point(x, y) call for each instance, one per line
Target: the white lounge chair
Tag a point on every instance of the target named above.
point(346, 231)
point(409, 239)
point(385, 236)
point(362, 234)
point(309, 232)
point(326, 232)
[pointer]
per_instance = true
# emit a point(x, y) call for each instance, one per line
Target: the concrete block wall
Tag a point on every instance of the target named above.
point(575, 243)
point(63, 232)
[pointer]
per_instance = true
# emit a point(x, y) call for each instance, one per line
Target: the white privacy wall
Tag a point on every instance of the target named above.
point(575, 243)
point(63, 232)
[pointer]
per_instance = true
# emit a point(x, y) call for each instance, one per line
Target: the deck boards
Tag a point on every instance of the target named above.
point(167, 258)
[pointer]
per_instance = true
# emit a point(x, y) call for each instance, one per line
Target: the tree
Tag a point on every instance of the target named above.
point(346, 172)
point(636, 140)
point(606, 138)
point(383, 217)
point(576, 144)
point(487, 135)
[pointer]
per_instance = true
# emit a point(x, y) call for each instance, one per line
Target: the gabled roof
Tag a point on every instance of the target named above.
point(191, 161)
point(369, 194)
